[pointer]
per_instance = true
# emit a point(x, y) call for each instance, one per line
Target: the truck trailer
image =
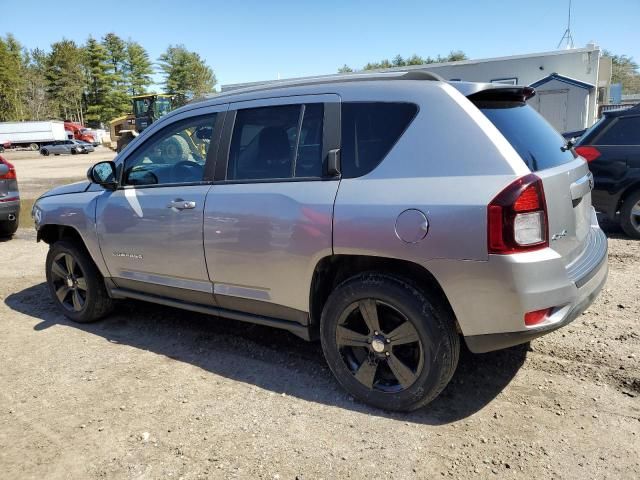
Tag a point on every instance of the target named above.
point(31, 134)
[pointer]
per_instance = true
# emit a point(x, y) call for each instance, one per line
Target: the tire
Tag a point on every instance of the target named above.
point(9, 227)
point(414, 354)
point(34, 146)
point(45, 152)
point(630, 215)
point(79, 304)
point(74, 151)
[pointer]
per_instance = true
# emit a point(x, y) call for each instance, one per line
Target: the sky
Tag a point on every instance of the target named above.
point(246, 41)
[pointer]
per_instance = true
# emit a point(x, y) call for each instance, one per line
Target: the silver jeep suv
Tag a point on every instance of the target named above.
point(388, 215)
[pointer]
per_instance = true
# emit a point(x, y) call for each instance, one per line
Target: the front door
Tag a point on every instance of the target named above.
point(150, 229)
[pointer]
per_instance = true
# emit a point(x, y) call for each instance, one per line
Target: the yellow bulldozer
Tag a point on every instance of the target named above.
point(147, 109)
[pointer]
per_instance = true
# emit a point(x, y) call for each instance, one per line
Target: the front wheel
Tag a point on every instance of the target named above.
point(630, 215)
point(75, 283)
point(389, 344)
point(44, 152)
point(74, 151)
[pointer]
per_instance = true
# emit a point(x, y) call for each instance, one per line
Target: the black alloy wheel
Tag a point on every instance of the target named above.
point(379, 345)
point(69, 282)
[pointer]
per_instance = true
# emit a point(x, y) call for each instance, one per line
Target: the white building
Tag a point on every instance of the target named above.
point(570, 84)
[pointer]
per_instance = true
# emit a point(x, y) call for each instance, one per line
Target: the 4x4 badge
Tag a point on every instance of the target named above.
point(557, 236)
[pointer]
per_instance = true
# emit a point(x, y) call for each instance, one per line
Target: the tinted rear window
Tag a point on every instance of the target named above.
point(369, 130)
point(535, 140)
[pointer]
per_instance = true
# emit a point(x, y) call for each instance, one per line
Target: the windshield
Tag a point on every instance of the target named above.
point(162, 106)
point(141, 106)
point(536, 141)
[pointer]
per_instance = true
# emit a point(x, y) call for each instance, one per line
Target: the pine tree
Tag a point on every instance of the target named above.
point(65, 78)
point(36, 99)
point(12, 82)
point(187, 76)
point(99, 81)
point(138, 69)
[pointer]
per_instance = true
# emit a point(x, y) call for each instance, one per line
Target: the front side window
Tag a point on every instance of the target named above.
point(176, 154)
point(277, 142)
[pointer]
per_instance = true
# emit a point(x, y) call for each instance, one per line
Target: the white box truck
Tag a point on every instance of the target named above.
point(31, 134)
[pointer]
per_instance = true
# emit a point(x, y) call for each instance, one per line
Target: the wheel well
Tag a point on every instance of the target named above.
point(629, 191)
point(333, 270)
point(53, 233)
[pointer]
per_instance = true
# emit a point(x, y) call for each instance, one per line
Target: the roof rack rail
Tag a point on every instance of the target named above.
point(339, 78)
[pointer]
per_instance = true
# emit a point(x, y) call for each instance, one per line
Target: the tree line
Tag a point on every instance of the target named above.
point(400, 61)
point(92, 83)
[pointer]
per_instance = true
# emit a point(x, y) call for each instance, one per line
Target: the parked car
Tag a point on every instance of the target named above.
point(72, 147)
point(388, 215)
point(612, 148)
point(574, 135)
point(9, 198)
point(87, 147)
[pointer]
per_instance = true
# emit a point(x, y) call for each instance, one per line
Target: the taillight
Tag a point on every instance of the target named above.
point(11, 175)
point(533, 318)
point(517, 218)
point(588, 153)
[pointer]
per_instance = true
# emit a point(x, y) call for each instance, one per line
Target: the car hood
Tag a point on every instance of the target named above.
point(77, 187)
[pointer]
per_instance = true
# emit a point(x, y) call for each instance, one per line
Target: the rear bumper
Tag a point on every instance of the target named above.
point(564, 316)
point(490, 298)
point(8, 209)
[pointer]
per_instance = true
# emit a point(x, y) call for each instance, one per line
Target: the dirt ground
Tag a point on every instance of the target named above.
point(157, 393)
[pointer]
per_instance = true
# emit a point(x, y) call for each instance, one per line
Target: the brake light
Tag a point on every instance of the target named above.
point(533, 318)
point(11, 175)
point(588, 153)
point(517, 218)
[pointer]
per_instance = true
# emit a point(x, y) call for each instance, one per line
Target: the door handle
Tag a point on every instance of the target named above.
point(180, 204)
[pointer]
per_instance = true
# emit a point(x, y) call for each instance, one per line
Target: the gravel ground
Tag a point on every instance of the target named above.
point(153, 392)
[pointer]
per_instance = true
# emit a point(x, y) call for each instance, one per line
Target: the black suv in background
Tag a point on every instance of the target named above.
point(612, 148)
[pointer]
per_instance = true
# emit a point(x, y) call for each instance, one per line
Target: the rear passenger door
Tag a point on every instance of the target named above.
point(268, 217)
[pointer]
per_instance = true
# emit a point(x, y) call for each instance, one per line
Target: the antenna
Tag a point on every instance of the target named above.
point(567, 37)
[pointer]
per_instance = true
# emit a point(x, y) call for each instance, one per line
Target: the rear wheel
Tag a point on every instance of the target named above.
point(75, 283)
point(630, 215)
point(8, 227)
point(387, 343)
point(34, 146)
point(74, 151)
point(44, 152)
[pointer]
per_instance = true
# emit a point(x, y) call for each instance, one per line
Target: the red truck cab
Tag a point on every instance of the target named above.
point(79, 132)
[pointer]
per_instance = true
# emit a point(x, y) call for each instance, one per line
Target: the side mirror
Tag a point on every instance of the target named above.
point(4, 169)
point(104, 174)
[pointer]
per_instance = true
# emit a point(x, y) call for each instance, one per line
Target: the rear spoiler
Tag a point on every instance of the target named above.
point(478, 92)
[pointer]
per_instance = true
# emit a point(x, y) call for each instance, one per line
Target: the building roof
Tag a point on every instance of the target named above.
point(563, 79)
point(591, 48)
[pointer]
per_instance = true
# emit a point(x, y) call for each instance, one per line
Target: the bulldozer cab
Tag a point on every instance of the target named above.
point(149, 108)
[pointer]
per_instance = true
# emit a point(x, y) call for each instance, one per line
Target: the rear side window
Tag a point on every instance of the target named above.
point(535, 140)
point(369, 130)
point(622, 131)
